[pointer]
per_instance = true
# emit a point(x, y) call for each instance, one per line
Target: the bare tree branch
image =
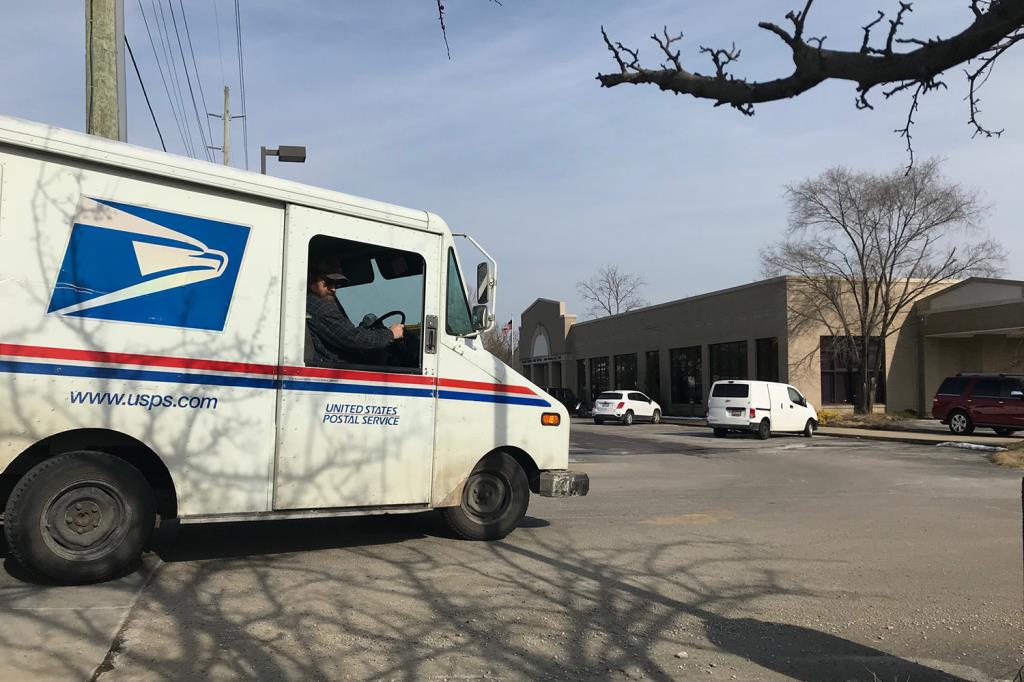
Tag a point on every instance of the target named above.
point(444, 29)
point(997, 25)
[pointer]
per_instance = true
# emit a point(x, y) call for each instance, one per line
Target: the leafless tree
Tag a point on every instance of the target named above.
point(865, 247)
point(610, 292)
point(501, 344)
point(996, 26)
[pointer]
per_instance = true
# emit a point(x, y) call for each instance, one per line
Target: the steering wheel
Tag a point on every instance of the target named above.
point(379, 322)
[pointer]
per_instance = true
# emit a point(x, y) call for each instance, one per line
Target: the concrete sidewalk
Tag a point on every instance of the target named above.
point(918, 437)
point(932, 437)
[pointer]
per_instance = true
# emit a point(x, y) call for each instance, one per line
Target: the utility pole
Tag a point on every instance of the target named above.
point(105, 103)
point(227, 126)
point(226, 147)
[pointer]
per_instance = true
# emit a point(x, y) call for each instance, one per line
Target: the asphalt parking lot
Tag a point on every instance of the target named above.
point(692, 558)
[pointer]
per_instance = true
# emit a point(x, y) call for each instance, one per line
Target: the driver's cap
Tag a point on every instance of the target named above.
point(335, 278)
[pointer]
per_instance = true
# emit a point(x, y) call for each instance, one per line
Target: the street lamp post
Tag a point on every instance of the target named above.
point(284, 154)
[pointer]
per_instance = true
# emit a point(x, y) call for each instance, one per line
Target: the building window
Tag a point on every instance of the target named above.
point(598, 376)
point(652, 375)
point(841, 374)
point(625, 371)
point(685, 368)
point(728, 360)
point(581, 378)
point(767, 359)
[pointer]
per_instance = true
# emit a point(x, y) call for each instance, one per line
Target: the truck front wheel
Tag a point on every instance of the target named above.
point(494, 500)
point(79, 517)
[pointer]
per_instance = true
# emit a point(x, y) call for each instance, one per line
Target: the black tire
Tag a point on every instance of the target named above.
point(1004, 431)
point(494, 500)
point(598, 421)
point(961, 423)
point(764, 430)
point(656, 417)
point(627, 418)
point(721, 433)
point(809, 428)
point(79, 517)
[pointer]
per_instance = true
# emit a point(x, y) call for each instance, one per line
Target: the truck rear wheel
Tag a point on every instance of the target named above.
point(494, 500)
point(79, 517)
point(764, 430)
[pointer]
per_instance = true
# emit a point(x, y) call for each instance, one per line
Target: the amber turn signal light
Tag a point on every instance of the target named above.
point(550, 419)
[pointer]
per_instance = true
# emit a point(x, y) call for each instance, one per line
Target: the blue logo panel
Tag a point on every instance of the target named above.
point(136, 264)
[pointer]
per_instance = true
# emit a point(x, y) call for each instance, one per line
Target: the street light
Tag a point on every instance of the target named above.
point(284, 153)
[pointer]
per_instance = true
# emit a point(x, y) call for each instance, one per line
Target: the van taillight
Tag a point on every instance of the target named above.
point(753, 413)
point(620, 406)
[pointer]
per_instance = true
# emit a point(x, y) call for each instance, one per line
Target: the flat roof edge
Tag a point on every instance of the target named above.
point(688, 299)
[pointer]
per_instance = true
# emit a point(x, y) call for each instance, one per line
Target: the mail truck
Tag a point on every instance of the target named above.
point(156, 360)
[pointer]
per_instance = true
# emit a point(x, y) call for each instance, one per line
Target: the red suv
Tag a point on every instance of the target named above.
point(969, 400)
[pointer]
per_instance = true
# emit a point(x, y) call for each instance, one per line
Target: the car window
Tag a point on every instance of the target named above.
point(609, 396)
point(1007, 386)
point(731, 391)
point(794, 395)
point(637, 396)
point(986, 388)
point(952, 386)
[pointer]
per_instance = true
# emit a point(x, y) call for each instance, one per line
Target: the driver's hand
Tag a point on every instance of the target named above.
point(398, 330)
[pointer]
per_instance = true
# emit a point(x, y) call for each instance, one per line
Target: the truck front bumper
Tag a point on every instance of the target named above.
point(561, 483)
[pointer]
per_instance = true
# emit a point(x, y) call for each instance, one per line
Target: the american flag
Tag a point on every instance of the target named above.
point(507, 329)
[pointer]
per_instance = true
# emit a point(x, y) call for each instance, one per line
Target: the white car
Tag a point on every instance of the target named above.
point(625, 407)
point(763, 407)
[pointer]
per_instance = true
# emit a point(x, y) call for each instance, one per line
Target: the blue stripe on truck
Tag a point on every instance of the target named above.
point(94, 372)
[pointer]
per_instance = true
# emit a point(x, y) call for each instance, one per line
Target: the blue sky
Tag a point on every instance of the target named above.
point(513, 141)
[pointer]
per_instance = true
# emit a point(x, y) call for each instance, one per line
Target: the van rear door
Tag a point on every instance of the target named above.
point(357, 431)
point(729, 404)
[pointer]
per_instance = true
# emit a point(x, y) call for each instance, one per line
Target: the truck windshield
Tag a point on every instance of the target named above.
point(457, 319)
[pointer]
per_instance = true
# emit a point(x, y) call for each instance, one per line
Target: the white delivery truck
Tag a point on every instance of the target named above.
point(764, 407)
point(156, 359)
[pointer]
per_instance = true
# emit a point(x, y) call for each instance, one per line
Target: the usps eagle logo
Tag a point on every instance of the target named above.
point(136, 264)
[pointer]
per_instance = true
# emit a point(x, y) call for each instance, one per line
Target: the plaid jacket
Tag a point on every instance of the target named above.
point(335, 338)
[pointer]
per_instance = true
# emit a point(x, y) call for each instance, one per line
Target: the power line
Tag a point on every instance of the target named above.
point(241, 81)
point(144, 94)
point(165, 42)
point(159, 67)
point(188, 80)
point(195, 68)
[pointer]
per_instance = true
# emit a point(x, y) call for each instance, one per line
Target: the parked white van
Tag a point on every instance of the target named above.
point(159, 359)
point(763, 407)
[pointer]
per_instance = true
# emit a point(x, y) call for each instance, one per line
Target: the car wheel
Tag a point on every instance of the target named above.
point(79, 517)
point(656, 418)
point(809, 428)
point(494, 500)
point(627, 418)
point(1003, 431)
point(961, 423)
point(598, 421)
point(721, 433)
point(764, 430)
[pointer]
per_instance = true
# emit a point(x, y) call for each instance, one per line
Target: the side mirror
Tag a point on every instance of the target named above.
point(1017, 394)
point(484, 282)
point(481, 317)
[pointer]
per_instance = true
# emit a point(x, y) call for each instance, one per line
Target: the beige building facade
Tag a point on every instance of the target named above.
point(675, 351)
